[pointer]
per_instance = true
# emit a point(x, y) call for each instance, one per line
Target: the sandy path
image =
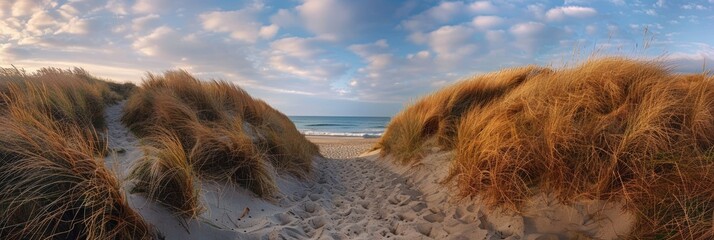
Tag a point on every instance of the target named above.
point(349, 198)
point(355, 198)
point(342, 147)
point(123, 146)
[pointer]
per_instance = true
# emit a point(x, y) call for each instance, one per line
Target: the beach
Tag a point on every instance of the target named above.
point(352, 195)
point(342, 147)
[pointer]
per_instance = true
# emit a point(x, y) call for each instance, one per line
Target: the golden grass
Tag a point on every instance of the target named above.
point(227, 135)
point(221, 155)
point(433, 120)
point(53, 183)
point(611, 128)
point(286, 148)
point(165, 175)
point(70, 96)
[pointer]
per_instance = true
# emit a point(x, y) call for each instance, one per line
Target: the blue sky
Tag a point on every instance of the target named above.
point(339, 57)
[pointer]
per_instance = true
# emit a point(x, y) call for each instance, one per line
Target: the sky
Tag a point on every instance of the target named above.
point(345, 57)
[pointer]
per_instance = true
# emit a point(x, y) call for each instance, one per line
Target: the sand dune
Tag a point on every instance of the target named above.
point(349, 197)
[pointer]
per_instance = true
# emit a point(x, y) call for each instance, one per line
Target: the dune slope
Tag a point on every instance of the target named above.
point(611, 129)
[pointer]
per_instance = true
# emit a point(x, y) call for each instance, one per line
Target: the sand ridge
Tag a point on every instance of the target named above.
point(348, 197)
point(342, 147)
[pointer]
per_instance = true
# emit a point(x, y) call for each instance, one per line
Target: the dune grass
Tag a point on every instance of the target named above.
point(610, 128)
point(165, 175)
point(71, 96)
point(433, 120)
point(53, 182)
point(225, 134)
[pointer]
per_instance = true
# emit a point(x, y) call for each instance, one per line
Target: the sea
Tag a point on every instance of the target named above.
point(366, 127)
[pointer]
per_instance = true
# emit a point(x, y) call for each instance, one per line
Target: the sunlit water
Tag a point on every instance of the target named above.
point(341, 126)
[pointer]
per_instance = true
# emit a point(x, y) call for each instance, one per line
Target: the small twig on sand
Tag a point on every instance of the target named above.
point(245, 212)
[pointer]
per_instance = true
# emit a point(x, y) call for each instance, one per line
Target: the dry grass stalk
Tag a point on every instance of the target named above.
point(611, 128)
point(52, 182)
point(165, 175)
point(226, 134)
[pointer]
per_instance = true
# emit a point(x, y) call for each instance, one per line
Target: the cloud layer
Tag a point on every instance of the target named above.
point(370, 55)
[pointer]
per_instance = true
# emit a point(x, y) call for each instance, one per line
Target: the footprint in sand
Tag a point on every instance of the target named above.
point(434, 217)
point(282, 218)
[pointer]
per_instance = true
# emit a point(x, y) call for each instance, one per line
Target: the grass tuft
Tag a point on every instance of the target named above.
point(165, 175)
point(433, 120)
point(53, 182)
point(226, 134)
point(610, 128)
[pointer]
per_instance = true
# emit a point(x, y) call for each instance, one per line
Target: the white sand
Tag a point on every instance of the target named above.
point(342, 147)
point(542, 218)
point(360, 198)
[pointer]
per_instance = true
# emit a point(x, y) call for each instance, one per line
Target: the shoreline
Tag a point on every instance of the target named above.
point(342, 147)
point(340, 139)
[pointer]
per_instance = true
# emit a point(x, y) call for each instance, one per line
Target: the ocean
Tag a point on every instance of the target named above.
point(367, 127)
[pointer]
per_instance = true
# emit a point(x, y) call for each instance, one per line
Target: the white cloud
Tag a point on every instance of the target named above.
point(537, 10)
point(527, 29)
point(329, 19)
point(337, 20)
point(75, 25)
point(419, 55)
point(27, 7)
point(297, 47)
point(366, 50)
point(177, 48)
point(75, 8)
point(452, 43)
point(528, 35)
point(41, 22)
point(418, 37)
point(5, 8)
point(301, 57)
point(660, 3)
point(315, 70)
point(380, 61)
point(692, 6)
point(150, 44)
point(117, 7)
point(487, 22)
point(241, 24)
point(560, 13)
point(11, 28)
point(68, 11)
point(151, 6)
point(374, 54)
point(482, 7)
point(387, 77)
point(176, 7)
point(430, 18)
point(268, 32)
point(144, 22)
point(697, 61)
point(284, 18)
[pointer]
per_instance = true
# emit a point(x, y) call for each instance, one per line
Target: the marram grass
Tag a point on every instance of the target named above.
point(611, 128)
point(225, 134)
point(53, 182)
point(164, 175)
